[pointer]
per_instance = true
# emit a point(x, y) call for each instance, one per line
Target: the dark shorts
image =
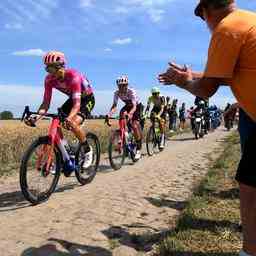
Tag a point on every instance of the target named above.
point(246, 173)
point(156, 110)
point(87, 105)
point(182, 119)
point(137, 114)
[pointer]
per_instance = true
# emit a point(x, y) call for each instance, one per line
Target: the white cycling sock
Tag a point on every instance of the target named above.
point(243, 253)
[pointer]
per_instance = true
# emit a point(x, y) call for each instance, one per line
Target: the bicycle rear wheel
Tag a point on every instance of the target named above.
point(85, 176)
point(116, 150)
point(39, 170)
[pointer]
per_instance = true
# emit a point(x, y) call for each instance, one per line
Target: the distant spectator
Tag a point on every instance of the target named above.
point(173, 116)
point(182, 116)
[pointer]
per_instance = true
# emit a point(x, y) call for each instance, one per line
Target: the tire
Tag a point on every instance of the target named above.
point(197, 130)
point(85, 176)
point(202, 130)
point(29, 193)
point(161, 149)
point(113, 147)
point(150, 141)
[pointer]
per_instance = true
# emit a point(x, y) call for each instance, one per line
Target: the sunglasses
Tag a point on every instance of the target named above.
point(52, 69)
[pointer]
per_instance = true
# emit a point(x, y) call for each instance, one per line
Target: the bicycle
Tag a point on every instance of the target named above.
point(43, 161)
point(121, 144)
point(153, 138)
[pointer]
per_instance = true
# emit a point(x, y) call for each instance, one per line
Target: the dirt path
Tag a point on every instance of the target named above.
point(140, 199)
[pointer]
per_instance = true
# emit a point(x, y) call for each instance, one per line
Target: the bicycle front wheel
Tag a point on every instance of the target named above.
point(151, 142)
point(116, 150)
point(39, 170)
point(86, 175)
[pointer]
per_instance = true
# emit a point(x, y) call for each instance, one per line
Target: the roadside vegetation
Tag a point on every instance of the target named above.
point(209, 225)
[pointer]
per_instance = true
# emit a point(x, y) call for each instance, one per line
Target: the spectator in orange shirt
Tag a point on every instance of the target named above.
point(232, 62)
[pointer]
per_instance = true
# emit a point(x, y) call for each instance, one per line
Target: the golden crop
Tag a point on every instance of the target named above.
point(15, 137)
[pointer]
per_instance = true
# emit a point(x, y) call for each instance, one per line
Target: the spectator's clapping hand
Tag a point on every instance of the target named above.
point(177, 75)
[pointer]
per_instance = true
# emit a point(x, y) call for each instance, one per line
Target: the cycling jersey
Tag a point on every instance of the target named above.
point(158, 102)
point(158, 105)
point(74, 85)
point(130, 97)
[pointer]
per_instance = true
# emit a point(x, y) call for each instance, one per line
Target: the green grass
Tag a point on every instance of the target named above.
point(209, 224)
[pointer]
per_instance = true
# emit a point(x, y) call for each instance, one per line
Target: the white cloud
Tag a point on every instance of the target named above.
point(153, 8)
point(147, 2)
point(28, 10)
point(122, 41)
point(156, 15)
point(86, 3)
point(108, 50)
point(15, 26)
point(30, 52)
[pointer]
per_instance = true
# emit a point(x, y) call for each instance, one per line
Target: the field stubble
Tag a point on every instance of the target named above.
point(15, 137)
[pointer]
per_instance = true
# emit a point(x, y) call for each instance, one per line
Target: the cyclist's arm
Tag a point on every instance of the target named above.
point(162, 110)
point(134, 102)
point(148, 105)
point(114, 105)
point(112, 110)
point(47, 97)
point(133, 108)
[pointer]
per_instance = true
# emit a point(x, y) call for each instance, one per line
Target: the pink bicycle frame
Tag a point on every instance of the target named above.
point(55, 134)
point(122, 126)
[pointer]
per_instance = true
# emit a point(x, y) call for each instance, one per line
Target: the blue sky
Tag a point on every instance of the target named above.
point(102, 39)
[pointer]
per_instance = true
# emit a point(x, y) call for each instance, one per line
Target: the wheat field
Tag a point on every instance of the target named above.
point(15, 137)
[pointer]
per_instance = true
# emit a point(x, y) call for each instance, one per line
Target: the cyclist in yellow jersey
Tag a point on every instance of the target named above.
point(158, 111)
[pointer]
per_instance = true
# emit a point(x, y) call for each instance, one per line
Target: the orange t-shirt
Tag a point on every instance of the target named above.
point(232, 57)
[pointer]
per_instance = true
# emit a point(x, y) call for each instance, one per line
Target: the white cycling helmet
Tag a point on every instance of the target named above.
point(122, 80)
point(155, 90)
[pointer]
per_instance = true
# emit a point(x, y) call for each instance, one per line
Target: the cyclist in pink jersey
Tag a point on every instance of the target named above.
point(81, 99)
point(132, 108)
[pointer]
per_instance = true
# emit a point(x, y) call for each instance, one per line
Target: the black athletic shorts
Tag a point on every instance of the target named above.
point(246, 172)
point(137, 114)
point(156, 110)
point(87, 105)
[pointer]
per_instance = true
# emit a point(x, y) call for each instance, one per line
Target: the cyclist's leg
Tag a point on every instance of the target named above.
point(122, 114)
point(162, 123)
point(162, 130)
point(136, 128)
point(78, 119)
point(152, 115)
point(87, 105)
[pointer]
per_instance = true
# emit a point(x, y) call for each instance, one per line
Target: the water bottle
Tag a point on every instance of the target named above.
point(72, 159)
point(66, 145)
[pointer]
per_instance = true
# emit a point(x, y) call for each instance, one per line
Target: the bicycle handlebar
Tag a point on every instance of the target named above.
point(27, 113)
